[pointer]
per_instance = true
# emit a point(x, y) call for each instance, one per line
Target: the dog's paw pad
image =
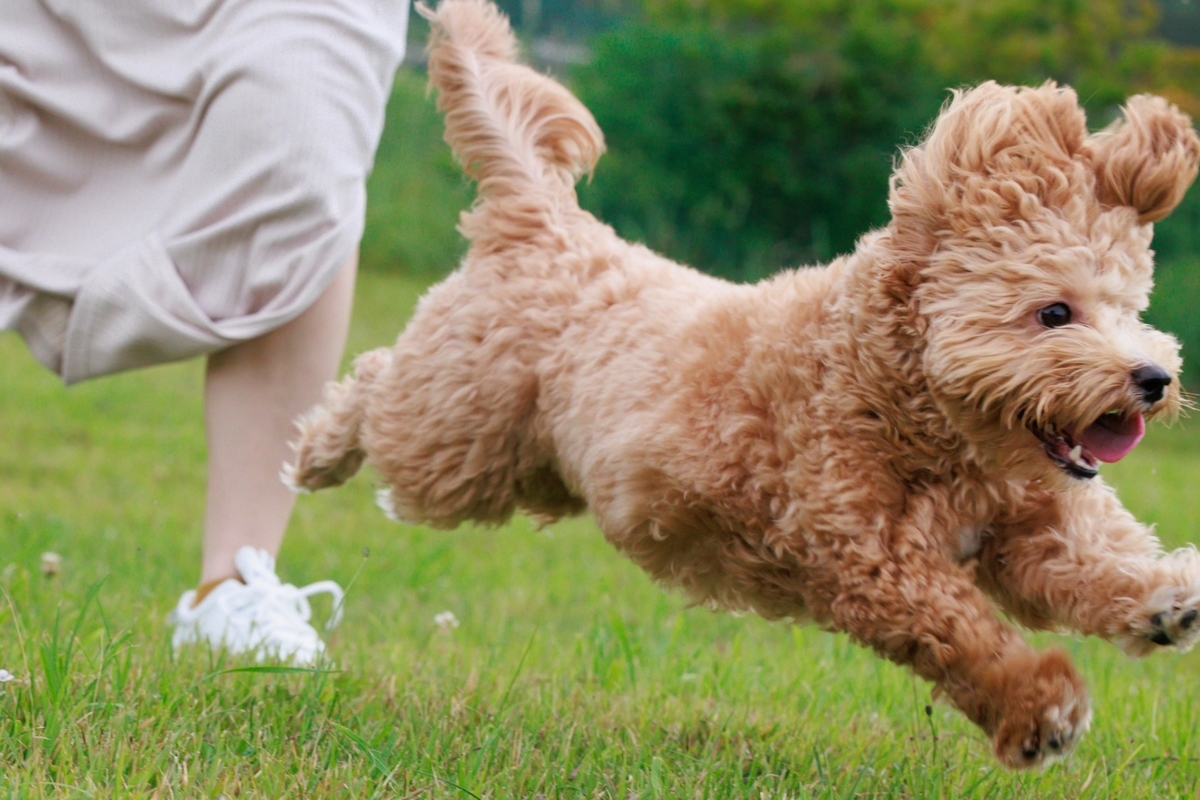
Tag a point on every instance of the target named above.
point(1050, 737)
point(1046, 712)
point(1177, 625)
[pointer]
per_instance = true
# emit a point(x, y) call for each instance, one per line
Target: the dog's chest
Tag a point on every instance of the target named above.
point(970, 541)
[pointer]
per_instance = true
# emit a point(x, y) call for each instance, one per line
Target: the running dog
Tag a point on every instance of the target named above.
point(897, 445)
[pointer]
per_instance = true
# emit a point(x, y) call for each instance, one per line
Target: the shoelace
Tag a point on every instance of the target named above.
point(281, 605)
point(258, 571)
point(330, 588)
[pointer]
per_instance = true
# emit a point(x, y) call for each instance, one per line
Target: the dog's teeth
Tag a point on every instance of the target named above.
point(1076, 453)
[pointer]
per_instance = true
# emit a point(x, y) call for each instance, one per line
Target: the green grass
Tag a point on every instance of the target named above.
point(572, 675)
point(416, 190)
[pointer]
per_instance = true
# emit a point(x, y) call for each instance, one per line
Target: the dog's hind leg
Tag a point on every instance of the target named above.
point(452, 424)
point(1086, 564)
point(327, 449)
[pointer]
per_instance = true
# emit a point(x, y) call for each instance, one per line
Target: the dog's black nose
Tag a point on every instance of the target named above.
point(1153, 380)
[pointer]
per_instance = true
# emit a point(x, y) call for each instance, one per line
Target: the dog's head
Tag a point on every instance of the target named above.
point(1030, 265)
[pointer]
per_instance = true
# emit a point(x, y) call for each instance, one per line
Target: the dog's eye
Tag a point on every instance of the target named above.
point(1055, 316)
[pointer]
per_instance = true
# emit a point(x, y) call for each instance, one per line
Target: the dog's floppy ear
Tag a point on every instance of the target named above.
point(991, 151)
point(995, 153)
point(1147, 160)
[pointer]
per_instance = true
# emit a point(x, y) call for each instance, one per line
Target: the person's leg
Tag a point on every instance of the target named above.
point(253, 393)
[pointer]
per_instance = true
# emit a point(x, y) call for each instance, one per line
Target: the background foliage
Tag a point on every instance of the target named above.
point(743, 151)
point(749, 135)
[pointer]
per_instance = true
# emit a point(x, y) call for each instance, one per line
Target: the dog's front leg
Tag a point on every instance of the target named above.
point(902, 596)
point(1084, 563)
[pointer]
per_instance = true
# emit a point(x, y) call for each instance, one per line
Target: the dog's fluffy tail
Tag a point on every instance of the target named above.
point(328, 451)
point(523, 137)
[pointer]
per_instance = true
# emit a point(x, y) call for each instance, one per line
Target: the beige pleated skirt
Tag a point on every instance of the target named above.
point(177, 176)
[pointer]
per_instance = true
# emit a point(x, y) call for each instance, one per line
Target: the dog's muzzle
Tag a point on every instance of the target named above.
point(1109, 439)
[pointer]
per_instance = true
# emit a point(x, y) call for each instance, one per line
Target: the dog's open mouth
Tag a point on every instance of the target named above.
point(1108, 439)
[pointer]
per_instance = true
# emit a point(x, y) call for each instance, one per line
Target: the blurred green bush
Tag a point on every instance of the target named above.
point(1173, 305)
point(749, 135)
point(742, 152)
point(1173, 309)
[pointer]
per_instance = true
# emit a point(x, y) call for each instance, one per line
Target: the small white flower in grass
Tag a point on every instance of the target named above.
point(6, 676)
point(51, 564)
point(446, 620)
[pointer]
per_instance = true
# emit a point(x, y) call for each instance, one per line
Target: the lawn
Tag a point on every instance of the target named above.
point(571, 674)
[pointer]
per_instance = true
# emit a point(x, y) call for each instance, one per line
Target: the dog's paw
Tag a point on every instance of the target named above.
point(1045, 737)
point(1171, 618)
point(1048, 711)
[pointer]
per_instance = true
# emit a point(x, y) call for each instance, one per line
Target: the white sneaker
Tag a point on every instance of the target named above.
point(262, 615)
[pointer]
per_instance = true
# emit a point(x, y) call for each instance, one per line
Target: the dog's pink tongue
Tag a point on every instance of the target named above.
point(1111, 438)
